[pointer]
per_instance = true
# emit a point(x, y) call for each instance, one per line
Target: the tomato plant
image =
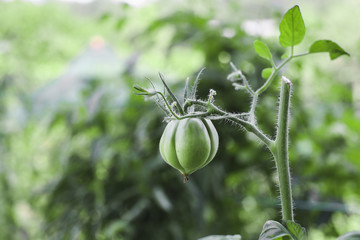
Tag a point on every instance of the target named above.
point(187, 149)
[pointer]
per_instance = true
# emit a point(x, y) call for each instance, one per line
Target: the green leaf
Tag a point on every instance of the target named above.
point(262, 50)
point(296, 230)
point(331, 47)
point(222, 237)
point(273, 230)
point(355, 235)
point(266, 72)
point(292, 28)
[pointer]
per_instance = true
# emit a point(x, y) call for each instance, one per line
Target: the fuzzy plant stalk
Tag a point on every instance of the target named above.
point(280, 152)
point(190, 140)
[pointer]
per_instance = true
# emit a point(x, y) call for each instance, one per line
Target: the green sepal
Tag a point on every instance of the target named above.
point(196, 83)
point(186, 89)
point(143, 91)
point(172, 95)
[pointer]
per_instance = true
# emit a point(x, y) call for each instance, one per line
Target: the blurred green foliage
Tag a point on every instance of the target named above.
point(90, 168)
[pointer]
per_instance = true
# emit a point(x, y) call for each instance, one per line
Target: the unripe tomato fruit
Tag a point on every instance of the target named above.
point(189, 144)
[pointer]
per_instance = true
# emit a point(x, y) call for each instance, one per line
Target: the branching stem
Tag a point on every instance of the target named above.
point(212, 109)
point(194, 115)
point(272, 76)
point(242, 76)
point(167, 105)
point(301, 54)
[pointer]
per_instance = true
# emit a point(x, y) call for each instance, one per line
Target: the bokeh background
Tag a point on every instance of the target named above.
point(79, 152)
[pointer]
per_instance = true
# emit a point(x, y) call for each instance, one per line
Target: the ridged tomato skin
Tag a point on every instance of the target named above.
point(189, 144)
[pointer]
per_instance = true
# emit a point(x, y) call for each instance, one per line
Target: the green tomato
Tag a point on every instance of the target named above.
point(189, 144)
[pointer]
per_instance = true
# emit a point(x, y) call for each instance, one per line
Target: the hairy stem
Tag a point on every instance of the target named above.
point(253, 129)
point(265, 86)
point(167, 105)
point(272, 76)
point(281, 151)
point(252, 117)
point(194, 115)
point(242, 76)
point(212, 109)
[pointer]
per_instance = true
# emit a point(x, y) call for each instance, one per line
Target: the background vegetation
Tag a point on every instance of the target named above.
point(79, 152)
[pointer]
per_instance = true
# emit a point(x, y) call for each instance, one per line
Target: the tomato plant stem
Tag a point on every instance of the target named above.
point(281, 151)
point(213, 109)
point(272, 76)
point(252, 117)
point(242, 76)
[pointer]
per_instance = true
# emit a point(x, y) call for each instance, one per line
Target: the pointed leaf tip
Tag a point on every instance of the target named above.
point(192, 94)
point(329, 46)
